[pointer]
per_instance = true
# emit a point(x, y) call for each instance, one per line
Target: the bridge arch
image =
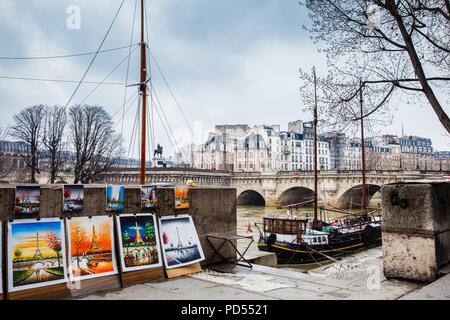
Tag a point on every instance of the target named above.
point(295, 195)
point(250, 198)
point(353, 196)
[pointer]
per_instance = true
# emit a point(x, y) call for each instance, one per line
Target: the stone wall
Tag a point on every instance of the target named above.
point(416, 229)
point(212, 209)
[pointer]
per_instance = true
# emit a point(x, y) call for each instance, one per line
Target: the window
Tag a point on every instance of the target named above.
point(279, 226)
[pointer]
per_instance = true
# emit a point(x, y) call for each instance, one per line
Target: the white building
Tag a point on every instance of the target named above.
point(263, 148)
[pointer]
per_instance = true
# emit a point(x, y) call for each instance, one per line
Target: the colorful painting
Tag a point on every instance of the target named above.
point(27, 200)
point(1, 257)
point(148, 197)
point(36, 251)
point(181, 198)
point(139, 242)
point(179, 240)
point(115, 198)
point(73, 197)
point(91, 247)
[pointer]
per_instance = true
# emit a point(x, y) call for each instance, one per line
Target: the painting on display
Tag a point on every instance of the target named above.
point(180, 243)
point(138, 242)
point(181, 198)
point(115, 198)
point(73, 197)
point(27, 199)
point(148, 197)
point(36, 251)
point(90, 247)
point(1, 256)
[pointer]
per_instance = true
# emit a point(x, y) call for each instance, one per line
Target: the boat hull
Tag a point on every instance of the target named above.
point(301, 253)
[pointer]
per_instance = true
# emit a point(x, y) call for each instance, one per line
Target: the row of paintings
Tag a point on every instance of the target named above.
point(36, 250)
point(27, 198)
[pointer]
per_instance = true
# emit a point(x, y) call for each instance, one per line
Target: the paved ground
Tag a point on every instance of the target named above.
point(358, 277)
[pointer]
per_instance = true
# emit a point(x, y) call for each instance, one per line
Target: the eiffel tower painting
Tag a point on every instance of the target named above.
point(138, 239)
point(94, 244)
point(180, 244)
point(38, 254)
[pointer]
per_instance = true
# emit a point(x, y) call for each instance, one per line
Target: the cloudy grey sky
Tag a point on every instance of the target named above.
point(226, 62)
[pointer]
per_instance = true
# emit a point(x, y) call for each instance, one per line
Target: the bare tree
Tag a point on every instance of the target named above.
point(7, 165)
point(384, 47)
point(27, 128)
point(96, 145)
point(54, 124)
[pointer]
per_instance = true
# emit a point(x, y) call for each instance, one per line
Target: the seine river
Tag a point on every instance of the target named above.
point(254, 214)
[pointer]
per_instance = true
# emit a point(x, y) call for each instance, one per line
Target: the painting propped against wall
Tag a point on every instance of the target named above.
point(138, 242)
point(181, 198)
point(36, 251)
point(90, 247)
point(73, 197)
point(27, 199)
point(148, 197)
point(115, 198)
point(1, 258)
point(180, 243)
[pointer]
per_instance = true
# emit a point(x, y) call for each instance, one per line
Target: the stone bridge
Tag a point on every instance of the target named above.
point(341, 189)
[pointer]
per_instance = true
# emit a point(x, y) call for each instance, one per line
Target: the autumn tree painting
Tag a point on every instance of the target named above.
point(91, 243)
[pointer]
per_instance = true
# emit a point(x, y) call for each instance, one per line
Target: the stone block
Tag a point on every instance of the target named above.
point(416, 229)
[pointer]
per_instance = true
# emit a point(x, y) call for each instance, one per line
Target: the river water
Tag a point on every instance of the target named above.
point(249, 215)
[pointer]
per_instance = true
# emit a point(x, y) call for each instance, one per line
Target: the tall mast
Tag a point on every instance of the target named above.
point(315, 148)
point(143, 92)
point(363, 153)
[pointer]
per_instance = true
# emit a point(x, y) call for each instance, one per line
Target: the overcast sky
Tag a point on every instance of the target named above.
point(226, 62)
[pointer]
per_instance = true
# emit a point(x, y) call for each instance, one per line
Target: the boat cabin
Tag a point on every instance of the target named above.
point(286, 228)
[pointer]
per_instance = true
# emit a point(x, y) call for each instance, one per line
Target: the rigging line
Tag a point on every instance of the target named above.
point(120, 108)
point(168, 124)
point(170, 90)
point(67, 55)
point(160, 118)
point(132, 135)
point(95, 56)
point(60, 80)
point(93, 90)
point(149, 76)
point(128, 69)
point(175, 148)
point(137, 122)
point(149, 142)
point(129, 107)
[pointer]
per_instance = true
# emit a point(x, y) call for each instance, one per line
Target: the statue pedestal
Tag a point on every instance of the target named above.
point(158, 162)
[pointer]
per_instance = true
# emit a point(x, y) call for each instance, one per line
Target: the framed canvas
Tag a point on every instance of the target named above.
point(90, 247)
point(73, 197)
point(27, 200)
point(181, 198)
point(36, 253)
point(138, 241)
point(148, 197)
point(179, 240)
point(1, 257)
point(115, 198)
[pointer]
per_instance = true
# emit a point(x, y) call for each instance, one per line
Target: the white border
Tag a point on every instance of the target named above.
point(158, 247)
point(10, 269)
point(113, 253)
point(200, 249)
point(69, 185)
